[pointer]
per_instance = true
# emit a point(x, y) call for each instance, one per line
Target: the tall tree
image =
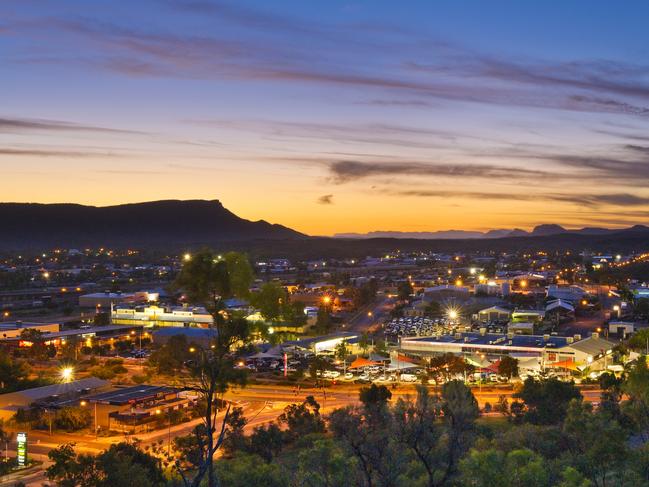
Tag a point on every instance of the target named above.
point(208, 279)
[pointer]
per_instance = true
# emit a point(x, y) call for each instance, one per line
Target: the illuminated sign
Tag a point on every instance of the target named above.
point(21, 449)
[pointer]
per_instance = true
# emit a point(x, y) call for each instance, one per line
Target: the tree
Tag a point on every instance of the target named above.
point(267, 441)
point(598, 444)
point(341, 352)
point(419, 428)
point(404, 290)
point(302, 419)
point(493, 468)
point(250, 470)
point(448, 366)
point(70, 418)
point(126, 464)
point(12, 372)
point(637, 389)
point(234, 437)
point(323, 321)
point(71, 470)
point(38, 349)
point(375, 398)
point(324, 465)
point(433, 309)
point(460, 409)
point(317, 366)
point(508, 366)
point(122, 464)
point(170, 358)
point(270, 300)
point(207, 279)
point(546, 401)
point(240, 273)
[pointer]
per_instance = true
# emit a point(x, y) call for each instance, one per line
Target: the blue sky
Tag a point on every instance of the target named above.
point(333, 116)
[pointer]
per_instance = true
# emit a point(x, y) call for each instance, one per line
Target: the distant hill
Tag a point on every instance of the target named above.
point(157, 223)
point(544, 230)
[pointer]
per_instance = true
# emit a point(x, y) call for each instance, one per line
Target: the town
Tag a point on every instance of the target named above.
point(102, 346)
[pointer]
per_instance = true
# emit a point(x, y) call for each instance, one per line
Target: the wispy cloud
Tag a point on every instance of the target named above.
point(590, 200)
point(12, 125)
point(447, 72)
point(349, 170)
point(326, 199)
point(4, 151)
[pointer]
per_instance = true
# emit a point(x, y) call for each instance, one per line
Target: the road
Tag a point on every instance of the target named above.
point(371, 316)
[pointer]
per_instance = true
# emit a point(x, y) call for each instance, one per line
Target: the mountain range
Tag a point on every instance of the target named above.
point(174, 224)
point(156, 223)
point(544, 230)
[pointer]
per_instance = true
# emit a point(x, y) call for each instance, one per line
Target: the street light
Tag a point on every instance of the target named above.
point(67, 373)
point(187, 257)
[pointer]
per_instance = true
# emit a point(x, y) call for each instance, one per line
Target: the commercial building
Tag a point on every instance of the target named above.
point(552, 351)
point(53, 396)
point(14, 329)
point(134, 408)
point(199, 336)
point(107, 299)
point(153, 315)
point(322, 344)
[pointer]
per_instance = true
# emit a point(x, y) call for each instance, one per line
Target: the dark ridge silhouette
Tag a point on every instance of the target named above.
point(157, 224)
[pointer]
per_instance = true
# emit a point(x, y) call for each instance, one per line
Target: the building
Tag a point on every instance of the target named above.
point(199, 336)
point(621, 329)
point(551, 351)
point(13, 330)
point(528, 315)
point(322, 344)
point(521, 328)
point(39, 297)
point(494, 313)
point(86, 336)
point(446, 293)
point(53, 396)
point(134, 408)
point(153, 315)
point(559, 310)
point(570, 294)
point(107, 299)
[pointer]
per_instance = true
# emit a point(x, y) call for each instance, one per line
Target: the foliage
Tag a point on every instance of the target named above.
point(508, 366)
point(121, 464)
point(546, 402)
point(70, 418)
point(302, 419)
point(170, 358)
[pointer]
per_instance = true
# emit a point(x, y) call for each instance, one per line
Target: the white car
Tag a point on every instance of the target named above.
point(408, 377)
point(349, 376)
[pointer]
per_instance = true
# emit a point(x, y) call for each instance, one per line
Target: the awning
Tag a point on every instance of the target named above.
point(400, 365)
point(564, 364)
point(362, 362)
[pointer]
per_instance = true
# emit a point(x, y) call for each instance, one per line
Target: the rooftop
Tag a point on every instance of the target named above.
point(127, 395)
point(473, 338)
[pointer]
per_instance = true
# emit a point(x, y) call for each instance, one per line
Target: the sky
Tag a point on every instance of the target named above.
point(332, 116)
